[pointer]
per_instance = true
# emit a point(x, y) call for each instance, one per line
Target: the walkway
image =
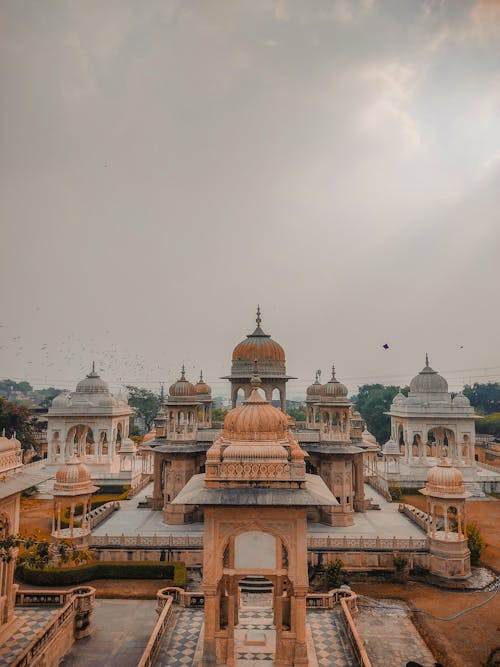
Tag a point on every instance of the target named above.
point(255, 639)
point(389, 636)
point(19, 634)
point(121, 631)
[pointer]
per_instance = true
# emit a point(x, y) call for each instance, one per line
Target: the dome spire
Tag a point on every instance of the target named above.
point(201, 376)
point(255, 380)
point(427, 359)
point(183, 372)
point(258, 319)
point(334, 379)
point(93, 373)
point(318, 375)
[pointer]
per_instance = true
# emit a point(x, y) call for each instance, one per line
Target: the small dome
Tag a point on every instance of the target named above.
point(92, 384)
point(334, 388)
point(461, 401)
point(72, 477)
point(428, 381)
point(255, 419)
point(181, 388)
point(369, 437)
point(259, 346)
point(314, 389)
point(399, 399)
point(201, 388)
point(61, 400)
point(391, 448)
point(445, 479)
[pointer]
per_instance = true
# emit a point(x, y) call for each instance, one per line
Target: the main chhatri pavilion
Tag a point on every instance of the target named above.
point(332, 436)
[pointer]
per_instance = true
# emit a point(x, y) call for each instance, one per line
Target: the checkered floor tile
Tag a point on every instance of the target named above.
point(179, 645)
point(332, 645)
point(33, 619)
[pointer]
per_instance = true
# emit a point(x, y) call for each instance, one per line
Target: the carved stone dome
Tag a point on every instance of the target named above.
point(255, 420)
point(445, 479)
point(428, 381)
point(314, 389)
point(61, 400)
point(182, 388)
point(461, 401)
point(333, 388)
point(92, 384)
point(73, 477)
point(259, 346)
point(201, 387)
point(399, 399)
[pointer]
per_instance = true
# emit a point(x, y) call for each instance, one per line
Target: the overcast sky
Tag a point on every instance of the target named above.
point(165, 166)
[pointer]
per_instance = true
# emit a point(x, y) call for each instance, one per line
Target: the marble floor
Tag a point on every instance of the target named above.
point(386, 522)
point(16, 638)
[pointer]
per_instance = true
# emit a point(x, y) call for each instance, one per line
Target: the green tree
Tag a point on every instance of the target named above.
point(218, 414)
point(485, 397)
point(146, 404)
point(298, 413)
point(489, 424)
point(474, 542)
point(334, 574)
point(16, 419)
point(372, 401)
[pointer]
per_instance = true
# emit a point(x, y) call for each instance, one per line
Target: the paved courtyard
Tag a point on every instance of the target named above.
point(385, 523)
point(121, 631)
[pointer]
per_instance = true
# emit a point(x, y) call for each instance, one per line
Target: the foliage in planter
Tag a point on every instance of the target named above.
point(474, 542)
point(401, 566)
point(395, 491)
point(175, 572)
point(334, 573)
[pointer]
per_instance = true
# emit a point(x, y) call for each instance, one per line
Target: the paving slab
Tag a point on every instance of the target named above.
point(121, 631)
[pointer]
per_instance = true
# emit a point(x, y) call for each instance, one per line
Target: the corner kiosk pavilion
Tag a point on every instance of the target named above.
point(255, 494)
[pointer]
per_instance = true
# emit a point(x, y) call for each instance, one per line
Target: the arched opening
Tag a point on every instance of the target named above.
point(77, 438)
point(240, 396)
point(401, 440)
point(276, 397)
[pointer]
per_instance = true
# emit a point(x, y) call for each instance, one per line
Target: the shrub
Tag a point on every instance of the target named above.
point(173, 572)
point(395, 491)
point(334, 573)
point(474, 542)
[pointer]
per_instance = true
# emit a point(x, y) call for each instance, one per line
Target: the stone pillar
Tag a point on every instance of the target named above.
point(211, 616)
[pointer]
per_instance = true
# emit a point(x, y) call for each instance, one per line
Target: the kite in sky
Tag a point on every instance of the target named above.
point(385, 346)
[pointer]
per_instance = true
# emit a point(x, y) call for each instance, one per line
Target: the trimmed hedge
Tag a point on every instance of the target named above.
point(175, 573)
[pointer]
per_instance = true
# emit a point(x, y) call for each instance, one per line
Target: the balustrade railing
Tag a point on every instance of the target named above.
point(153, 646)
point(97, 515)
point(367, 543)
point(348, 605)
point(328, 543)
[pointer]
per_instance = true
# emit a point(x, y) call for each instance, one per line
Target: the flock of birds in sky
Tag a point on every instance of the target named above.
point(55, 361)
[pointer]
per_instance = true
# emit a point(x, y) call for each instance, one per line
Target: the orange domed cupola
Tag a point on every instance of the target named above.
point(202, 388)
point(444, 480)
point(182, 388)
point(333, 388)
point(260, 346)
point(255, 419)
point(272, 368)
